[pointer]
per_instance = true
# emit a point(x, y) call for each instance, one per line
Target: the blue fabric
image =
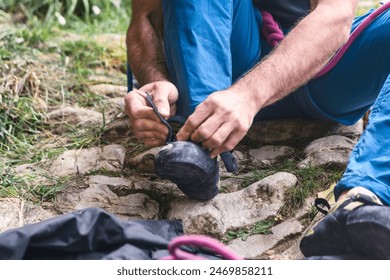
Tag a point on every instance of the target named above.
point(350, 88)
point(369, 163)
point(208, 45)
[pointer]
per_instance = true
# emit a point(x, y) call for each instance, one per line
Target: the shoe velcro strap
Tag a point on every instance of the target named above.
point(365, 199)
point(350, 203)
point(321, 203)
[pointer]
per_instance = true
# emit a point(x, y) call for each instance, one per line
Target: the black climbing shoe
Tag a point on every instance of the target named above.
point(188, 164)
point(357, 225)
point(190, 167)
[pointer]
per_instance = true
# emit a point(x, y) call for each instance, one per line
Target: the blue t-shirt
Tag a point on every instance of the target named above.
point(286, 12)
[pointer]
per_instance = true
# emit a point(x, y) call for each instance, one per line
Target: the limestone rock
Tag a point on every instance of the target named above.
point(124, 186)
point(119, 131)
point(256, 245)
point(75, 162)
point(330, 150)
point(116, 103)
point(124, 205)
point(16, 212)
point(230, 185)
point(285, 131)
point(241, 158)
point(353, 131)
point(36, 175)
point(109, 90)
point(60, 119)
point(257, 202)
point(267, 155)
point(144, 162)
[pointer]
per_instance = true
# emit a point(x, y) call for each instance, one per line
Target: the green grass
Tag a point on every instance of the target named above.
point(84, 56)
point(21, 124)
point(29, 186)
point(29, 87)
point(310, 181)
point(73, 11)
point(261, 227)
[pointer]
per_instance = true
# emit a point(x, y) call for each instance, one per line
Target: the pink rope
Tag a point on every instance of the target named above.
point(271, 29)
point(200, 242)
point(274, 35)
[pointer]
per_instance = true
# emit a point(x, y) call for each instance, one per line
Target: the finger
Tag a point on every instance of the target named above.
point(230, 143)
point(137, 107)
point(192, 123)
point(154, 142)
point(148, 125)
point(218, 138)
point(206, 130)
point(173, 108)
point(162, 104)
point(147, 135)
point(164, 94)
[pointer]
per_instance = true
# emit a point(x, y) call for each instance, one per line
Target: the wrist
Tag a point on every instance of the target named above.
point(255, 95)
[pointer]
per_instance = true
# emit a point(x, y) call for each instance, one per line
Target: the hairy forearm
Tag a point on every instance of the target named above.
point(144, 48)
point(299, 56)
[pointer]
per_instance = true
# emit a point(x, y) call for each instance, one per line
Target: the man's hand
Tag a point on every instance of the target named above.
point(144, 121)
point(220, 122)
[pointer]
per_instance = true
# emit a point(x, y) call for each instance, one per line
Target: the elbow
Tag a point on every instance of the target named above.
point(130, 35)
point(343, 28)
point(339, 18)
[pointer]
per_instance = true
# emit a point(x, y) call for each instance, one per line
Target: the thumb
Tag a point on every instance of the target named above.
point(162, 105)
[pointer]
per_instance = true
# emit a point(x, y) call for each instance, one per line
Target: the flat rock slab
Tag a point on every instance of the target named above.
point(123, 186)
point(297, 130)
point(16, 212)
point(331, 150)
point(268, 155)
point(351, 131)
point(124, 204)
point(62, 118)
point(109, 90)
point(256, 245)
point(226, 211)
point(76, 162)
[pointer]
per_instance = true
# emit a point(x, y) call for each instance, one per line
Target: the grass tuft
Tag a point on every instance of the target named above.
point(310, 181)
point(261, 227)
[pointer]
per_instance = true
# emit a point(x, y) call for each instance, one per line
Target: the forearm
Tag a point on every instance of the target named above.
point(144, 46)
point(300, 55)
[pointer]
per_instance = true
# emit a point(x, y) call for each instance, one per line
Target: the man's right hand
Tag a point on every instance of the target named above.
point(143, 120)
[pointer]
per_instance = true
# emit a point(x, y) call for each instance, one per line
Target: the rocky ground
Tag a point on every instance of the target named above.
point(249, 214)
point(261, 212)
